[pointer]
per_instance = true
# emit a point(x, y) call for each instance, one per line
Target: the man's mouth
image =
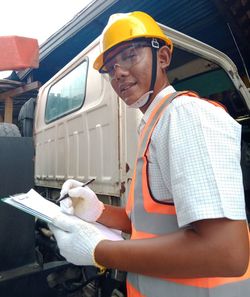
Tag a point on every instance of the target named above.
point(126, 86)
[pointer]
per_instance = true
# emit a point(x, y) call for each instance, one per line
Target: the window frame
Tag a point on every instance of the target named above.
point(59, 116)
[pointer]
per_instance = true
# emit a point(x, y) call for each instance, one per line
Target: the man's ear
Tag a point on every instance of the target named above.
point(164, 56)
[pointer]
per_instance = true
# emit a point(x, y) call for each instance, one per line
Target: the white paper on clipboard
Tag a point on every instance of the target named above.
point(33, 203)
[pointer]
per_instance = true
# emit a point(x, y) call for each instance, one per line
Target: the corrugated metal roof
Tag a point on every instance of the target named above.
point(200, 19)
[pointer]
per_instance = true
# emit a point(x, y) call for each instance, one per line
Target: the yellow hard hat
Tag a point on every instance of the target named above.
point(128, 26)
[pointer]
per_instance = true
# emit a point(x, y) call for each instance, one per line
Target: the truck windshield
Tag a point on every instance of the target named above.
point(209, 80)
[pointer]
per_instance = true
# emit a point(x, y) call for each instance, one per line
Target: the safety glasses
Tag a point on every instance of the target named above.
point(124, 57)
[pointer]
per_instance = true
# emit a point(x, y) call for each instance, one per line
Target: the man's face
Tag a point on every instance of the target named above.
point(129, 69)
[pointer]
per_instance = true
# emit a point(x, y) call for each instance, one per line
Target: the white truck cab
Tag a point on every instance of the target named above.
point(83, 130)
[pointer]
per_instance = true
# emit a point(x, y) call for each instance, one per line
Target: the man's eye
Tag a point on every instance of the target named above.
point(129, 55)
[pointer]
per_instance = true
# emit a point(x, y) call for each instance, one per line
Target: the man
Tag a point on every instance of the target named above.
point(185, 210)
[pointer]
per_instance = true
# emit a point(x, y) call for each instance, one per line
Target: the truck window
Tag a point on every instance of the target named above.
point(67, 94)
point(209, 80)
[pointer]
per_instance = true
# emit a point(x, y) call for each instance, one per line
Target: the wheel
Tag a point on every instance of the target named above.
point(26, 117)
point(9, 130)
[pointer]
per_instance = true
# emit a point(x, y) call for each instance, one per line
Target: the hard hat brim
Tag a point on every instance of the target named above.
point(99, 61)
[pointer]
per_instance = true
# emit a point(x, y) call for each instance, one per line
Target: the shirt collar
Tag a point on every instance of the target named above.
point(168, 90)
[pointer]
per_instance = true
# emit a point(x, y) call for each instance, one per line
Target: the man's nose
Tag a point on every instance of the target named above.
point(119, 71)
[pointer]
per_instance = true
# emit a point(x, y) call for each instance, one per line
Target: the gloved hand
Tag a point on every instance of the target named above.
point(82, 202)
point(79, 240)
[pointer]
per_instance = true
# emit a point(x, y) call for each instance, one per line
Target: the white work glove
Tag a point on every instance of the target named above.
point(82, 202)
point(79, 240)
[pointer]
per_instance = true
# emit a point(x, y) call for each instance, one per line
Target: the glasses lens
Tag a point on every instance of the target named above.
point(125, 59)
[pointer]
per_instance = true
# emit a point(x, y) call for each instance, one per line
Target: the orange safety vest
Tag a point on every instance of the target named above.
point(150, 218)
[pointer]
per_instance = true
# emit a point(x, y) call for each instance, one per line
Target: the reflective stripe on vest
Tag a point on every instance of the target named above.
point(143, 286)
point(151, 218)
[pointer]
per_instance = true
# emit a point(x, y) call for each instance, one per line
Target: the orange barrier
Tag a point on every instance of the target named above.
point(18, 53)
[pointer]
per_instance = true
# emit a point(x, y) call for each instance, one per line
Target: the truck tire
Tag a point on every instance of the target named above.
point(26, 117)
point(9, 130)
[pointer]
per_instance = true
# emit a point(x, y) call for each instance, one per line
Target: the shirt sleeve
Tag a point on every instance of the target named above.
point(203, 153)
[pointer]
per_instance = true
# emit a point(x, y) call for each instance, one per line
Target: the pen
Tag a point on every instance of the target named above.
point(66, 195)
